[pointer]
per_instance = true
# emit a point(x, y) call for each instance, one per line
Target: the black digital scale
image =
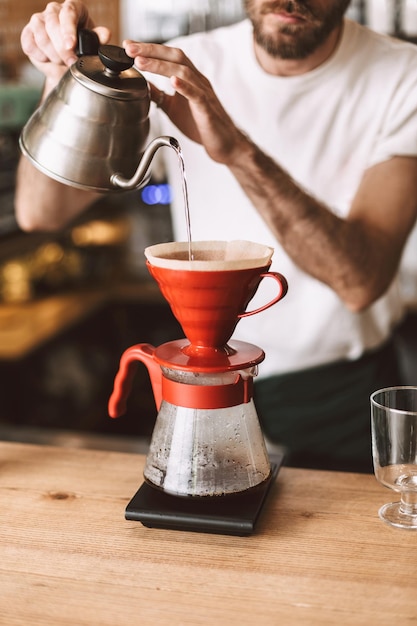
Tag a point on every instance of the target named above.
point(234, 514)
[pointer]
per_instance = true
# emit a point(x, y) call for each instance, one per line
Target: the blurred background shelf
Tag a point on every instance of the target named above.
point(72, 302)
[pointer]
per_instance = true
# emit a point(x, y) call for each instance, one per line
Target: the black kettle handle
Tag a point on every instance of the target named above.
point(88, 43)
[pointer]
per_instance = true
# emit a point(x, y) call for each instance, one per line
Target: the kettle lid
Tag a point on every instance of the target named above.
point(111, 73)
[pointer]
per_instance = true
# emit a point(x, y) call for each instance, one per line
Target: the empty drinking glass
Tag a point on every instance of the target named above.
point(394, 450)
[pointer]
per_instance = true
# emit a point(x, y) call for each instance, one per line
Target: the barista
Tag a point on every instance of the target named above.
point(299, 131)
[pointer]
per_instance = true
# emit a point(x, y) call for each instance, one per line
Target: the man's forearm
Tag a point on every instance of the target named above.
point(42, 203)
point(337, 252)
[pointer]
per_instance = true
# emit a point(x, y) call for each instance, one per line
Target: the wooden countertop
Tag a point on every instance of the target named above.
point(319, 556)
point(26, 326)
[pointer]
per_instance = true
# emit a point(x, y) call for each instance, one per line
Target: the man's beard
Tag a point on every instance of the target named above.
point(295, 41)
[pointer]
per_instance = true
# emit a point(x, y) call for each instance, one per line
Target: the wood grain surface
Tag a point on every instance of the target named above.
point(320, 554)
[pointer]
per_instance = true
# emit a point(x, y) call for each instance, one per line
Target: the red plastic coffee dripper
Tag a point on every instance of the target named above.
point(208, 305)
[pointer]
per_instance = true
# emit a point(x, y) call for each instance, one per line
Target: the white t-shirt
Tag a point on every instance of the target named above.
point(325, 128)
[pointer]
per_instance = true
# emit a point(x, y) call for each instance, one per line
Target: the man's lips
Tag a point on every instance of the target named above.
point(279, 11)
point(289, 18)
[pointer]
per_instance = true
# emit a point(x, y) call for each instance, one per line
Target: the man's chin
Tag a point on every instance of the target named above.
point(285, 43)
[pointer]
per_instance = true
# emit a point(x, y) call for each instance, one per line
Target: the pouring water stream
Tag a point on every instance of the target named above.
point(176, 146)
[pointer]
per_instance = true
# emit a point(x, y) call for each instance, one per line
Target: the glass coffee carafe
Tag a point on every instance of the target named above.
point(212, 450)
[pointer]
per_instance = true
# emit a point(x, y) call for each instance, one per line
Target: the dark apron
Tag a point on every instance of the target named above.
point(322, 415)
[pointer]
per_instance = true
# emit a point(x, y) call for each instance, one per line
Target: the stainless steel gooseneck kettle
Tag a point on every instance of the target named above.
point(92, 129)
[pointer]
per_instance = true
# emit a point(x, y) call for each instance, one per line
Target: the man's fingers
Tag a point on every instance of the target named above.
point(104, 34)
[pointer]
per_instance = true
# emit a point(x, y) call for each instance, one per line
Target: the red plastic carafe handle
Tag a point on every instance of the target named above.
point(143, 352)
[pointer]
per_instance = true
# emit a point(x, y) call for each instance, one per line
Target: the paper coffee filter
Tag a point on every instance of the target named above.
point(209, 255)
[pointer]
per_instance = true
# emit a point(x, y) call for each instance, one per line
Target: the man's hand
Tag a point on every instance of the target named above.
point(194, 108)
point(50, 37)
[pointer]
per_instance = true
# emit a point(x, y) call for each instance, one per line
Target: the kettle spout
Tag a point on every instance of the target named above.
point(141, 176)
